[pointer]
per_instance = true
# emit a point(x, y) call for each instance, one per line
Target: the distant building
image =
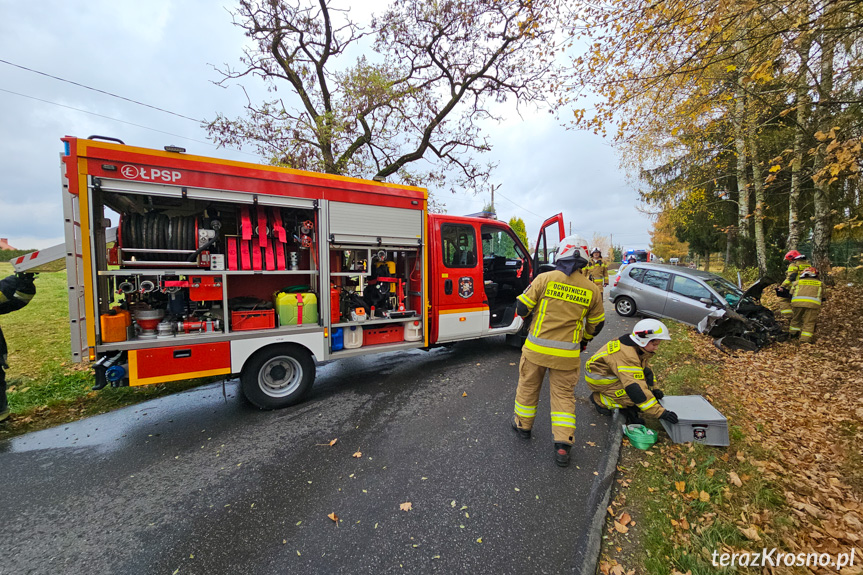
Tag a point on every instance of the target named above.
point(4, 244)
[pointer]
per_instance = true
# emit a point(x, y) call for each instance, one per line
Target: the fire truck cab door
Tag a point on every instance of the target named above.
point(460, 309)
point(543, 259)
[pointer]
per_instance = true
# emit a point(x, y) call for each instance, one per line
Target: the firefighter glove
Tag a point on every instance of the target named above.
point(25, 280)
point(658, 394)
point(669, 416)
point(583, 344)
point(783, 292)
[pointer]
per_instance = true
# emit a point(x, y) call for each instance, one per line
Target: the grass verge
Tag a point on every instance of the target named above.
point(675, 505)
point(44, 387)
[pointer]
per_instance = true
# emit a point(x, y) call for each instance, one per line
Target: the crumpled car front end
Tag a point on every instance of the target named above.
point(748, 326)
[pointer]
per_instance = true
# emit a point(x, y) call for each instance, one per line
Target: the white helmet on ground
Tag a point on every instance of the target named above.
point(572, 246)
point(649, 329)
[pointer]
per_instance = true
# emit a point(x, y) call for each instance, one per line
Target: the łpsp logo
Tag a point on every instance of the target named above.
point(150, 174)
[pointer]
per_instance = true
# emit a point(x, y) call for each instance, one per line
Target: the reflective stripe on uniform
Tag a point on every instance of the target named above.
point(549, 350)
point(793, 329)
point(527, 411)
point(526, 301)
point(610, 403)
point(636, 371)
point(3, 298)
point(798, 298)
point(539, 317)
point(599, 379)
point(806, 334)
point(24, 296)
point(597, 319)
point(647, 404)
point(563, 419)
point(787, 311)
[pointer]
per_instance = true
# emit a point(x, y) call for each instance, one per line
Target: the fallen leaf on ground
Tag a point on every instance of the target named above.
point(406, 506)
point(734, 478)
point(620, 528)
point(334, 517)
point(680, 486)
point(750, 533)
point(333, 442)
point(358, 454)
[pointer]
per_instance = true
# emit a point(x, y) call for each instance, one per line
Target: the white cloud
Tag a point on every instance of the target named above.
point(161, 53)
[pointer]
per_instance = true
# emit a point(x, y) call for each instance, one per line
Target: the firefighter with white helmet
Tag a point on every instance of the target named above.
point(597, 270)
point(807, 293)
point(567, 313)
point(620, 378)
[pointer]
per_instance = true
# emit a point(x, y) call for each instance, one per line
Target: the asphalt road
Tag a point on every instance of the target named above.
point(192, 483)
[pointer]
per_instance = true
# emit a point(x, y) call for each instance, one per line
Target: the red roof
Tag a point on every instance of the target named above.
point(4, 244)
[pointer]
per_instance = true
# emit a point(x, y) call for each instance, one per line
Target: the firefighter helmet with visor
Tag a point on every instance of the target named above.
point(647, 330)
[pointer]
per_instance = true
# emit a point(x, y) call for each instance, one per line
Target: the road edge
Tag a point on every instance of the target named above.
point(588, 546)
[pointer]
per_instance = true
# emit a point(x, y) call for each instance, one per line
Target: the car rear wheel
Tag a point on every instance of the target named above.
point(278, 376)
point(624, 306)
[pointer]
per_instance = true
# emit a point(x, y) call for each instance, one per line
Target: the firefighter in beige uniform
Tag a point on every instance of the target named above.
point(807, 294)
point(597, 271)
point(561, 302)
point(797, 262)
point(620, 377)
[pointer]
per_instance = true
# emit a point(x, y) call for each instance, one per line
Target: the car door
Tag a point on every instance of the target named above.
point(683, 302)
point(651, 291)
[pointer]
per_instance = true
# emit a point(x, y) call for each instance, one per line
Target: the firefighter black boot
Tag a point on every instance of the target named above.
point(561, 454)
point(632, 415)
point(523, 433)
point(600, 409)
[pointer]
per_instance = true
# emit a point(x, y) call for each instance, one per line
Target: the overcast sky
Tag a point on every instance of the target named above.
point(161, 52)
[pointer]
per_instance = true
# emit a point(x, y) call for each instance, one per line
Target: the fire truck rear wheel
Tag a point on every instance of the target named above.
point(278, 376)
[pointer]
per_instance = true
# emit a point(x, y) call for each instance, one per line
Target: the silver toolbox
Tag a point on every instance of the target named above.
point(697, 421)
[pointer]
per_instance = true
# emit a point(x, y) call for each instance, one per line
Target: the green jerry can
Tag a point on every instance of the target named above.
point(296, 308)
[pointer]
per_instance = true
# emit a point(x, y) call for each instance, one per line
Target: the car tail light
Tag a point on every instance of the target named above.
point(616, 279)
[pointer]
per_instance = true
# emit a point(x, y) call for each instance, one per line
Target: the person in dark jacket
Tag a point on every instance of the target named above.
point(16, 291)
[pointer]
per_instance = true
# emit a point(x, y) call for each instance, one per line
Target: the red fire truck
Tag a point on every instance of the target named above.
point(182, 266)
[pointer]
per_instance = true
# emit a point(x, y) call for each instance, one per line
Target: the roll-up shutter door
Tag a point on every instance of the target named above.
point(375, 225)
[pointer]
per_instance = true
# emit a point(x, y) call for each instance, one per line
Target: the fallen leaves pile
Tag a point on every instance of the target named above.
point(798, 410)
point(804, 404)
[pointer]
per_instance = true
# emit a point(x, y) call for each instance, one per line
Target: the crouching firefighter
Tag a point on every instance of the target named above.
point(567, 313)
point(807, 294)
point(16, 291)
point(620, 378)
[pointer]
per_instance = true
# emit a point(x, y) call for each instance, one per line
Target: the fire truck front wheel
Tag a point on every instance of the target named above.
point(278, 376)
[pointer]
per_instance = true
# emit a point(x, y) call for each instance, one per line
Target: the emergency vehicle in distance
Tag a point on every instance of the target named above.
point(640, 256)
point(218, 267)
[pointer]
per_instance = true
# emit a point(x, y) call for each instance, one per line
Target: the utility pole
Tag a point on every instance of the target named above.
point(493, 188)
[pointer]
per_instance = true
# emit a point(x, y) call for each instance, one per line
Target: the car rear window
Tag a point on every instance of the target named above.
point(656, 279)
point(689, 288)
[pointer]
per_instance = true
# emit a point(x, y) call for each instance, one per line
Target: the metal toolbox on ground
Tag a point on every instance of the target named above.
point(697, 421)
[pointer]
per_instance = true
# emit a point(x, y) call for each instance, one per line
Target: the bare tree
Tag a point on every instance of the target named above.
point(429, 74)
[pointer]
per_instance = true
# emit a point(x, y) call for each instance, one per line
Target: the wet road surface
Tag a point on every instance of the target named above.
point(192, 483)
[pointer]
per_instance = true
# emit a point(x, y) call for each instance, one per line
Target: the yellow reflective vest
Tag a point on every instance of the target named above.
point(566, 309)
point(616, 366)
point(807, 292)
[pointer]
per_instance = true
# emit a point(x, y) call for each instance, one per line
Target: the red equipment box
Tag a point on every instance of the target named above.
point(387, 334)
point(255, 319)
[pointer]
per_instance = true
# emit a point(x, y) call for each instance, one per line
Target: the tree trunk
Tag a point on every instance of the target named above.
point(707, 262)
point(802, 98)
point(823, 224)
point(758, 185)
point(739, 116)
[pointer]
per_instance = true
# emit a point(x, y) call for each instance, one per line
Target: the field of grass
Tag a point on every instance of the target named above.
point(45, 387)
